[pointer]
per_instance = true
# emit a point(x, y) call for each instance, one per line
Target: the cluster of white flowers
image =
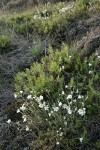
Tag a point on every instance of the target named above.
point(64, 9)
point(22, 108)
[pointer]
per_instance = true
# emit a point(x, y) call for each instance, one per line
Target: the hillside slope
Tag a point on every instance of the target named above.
point(26, 38)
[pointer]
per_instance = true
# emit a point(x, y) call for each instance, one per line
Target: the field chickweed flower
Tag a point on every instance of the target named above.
point(29, 97)
point(24, 120)
point(69, 97)
point(90, 64)
point(60, 104)
point(18, 110)
point(63, 93)
point(82, 111)
point(80, 96)
point(69, 111)
point(81, 139)
point(61, 134)
point(15, 95)
point(77, 91)
point(23, 107)
point(21, 92)
point(65, 106)
point(90, 72)
point(65, 123)
point(55, 109)
point(27, 128)
point(41, 97)
point(57, 143)
point(9, 121)
point(63, 67)
point(66, 86)
point(98, 56)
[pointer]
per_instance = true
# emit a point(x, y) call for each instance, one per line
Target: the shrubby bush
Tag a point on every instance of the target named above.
point(49, 20)
point(59, 96)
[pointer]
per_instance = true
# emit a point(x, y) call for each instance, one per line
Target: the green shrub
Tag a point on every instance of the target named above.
point(5, 44)
point(45, 74)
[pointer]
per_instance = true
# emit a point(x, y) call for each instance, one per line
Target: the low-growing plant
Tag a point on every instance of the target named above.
point(60, 95)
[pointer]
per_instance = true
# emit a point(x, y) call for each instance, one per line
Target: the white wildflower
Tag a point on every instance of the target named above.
point(63, 93)
point(41, 97)
point(61, 134)
point(66, 86)
point(41, 105)
point(69, 97)
point(35, 16)
point(29, 97)
point(57, 143)
point(70, 102)
point(23, 107)
point(15, 95)
point(90, 64)
point(65, 123)
point(21, 92)
point(69, 111)
point(81, 139)
point(55, 109)
point(82, 111)
point(27, 128)
point(64, 117)
point(18, 110)
point(23, 116)
point(46, 107)
point(70, 56)
point(9, 121)
point(96, 53)
point(90, 72)
point(60, 104)
point(99, 57)
point(74, 100)
point(80, 96)
point(49, 114)
point(75, 109)
point(24, 119)
point(63, 67)
point(77, 91)
point(65, 106)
